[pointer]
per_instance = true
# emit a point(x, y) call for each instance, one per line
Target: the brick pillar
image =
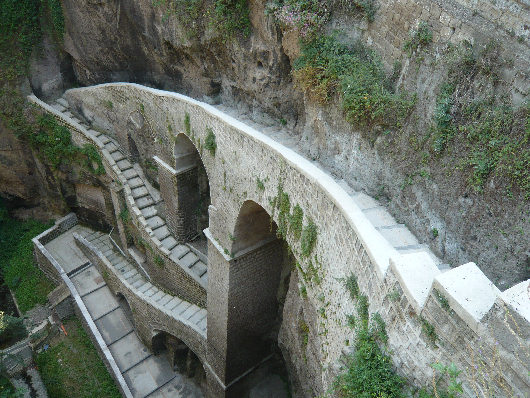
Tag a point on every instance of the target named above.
point(180, 191)
point(242, 308)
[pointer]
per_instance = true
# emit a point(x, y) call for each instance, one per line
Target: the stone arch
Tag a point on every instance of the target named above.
point(126, 307)
point(134, 153)
point(180, 355)
point(259, 273)
point(185, 188)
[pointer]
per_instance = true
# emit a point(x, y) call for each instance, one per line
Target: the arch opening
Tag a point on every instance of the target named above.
point(181, 358)
point(268, 263)
point(134, 153)
point(193, 190)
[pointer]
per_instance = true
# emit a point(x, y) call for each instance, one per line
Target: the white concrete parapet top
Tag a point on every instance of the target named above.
point(469, 292)
point(517, 298)
point(415, 272)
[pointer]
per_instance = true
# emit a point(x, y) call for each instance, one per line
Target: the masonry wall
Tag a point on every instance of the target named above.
point(347, 244)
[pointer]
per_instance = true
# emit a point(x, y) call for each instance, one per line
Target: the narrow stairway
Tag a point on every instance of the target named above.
point(181, 254)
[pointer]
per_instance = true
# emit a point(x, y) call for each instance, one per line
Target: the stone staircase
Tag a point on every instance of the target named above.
point(179, 308)
point(182, 254)
point(398, 235)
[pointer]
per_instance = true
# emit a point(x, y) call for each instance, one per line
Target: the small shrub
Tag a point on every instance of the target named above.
point(125, 215)
point(327, 67)
point(429, 330)
point(306, 16)
point(187, 124)
point(352, 286)
point(419, 38)
point(260, 184)
point(159, 261)
point(209, 143)
point(12, 329)
point(444, 303)
point(304, 332)
point(231, 17)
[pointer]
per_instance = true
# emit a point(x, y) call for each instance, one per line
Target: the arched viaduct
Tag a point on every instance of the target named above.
point(277, 224)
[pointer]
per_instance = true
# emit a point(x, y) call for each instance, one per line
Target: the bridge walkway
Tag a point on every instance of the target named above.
point(146, 374)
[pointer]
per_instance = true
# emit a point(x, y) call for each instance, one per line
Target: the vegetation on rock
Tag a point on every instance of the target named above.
point(21, 275)
point(328, 68)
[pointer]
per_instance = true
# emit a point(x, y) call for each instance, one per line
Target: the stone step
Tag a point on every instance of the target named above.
point(151, 291)
point(58, 107)
point(158, 295)
point(139, 192)
point(197, 317)
point(172, 303)
point(379, 217)
point(192, 310)
point(114, 258)
point(155, 222)
point(119, 266)
point(199, 269)
point(398, 236)
point(117, 156)
point(140, 282)
point(103, 138)
point(135, 182)
point(124, 164)
point(111, 146)
point(63, 102)
point(364, 201)
point(164, 300)
point(179, 309)
point(204, 278)
point(189, 260)
point(130, 172)
point(149, 212)
point(178, 252)
point(144, 202)
point(202, 324)
point(162, 232)
point(132, 272)
point(145, 287)
point(169, 243)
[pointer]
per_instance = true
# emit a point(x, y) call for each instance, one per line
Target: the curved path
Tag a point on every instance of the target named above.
point(145, 374)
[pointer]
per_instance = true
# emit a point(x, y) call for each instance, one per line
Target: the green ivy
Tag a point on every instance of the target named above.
point(209, 143)
point(369, 369)
point(296, 222)
point(309, 238)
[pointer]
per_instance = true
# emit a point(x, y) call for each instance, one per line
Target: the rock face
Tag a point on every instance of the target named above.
point(136, 41)
point(17, 174)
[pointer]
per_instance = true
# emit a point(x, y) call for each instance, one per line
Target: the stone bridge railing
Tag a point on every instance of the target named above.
point(455, 316)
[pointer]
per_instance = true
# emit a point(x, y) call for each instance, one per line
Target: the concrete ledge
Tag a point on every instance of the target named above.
point(415, 273)
point(469, 292)
point(517, 299)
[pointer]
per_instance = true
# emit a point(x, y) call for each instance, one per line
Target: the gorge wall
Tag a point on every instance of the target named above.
point(141, 42)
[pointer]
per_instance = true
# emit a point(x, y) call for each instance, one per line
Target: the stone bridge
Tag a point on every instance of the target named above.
point(278, 225)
